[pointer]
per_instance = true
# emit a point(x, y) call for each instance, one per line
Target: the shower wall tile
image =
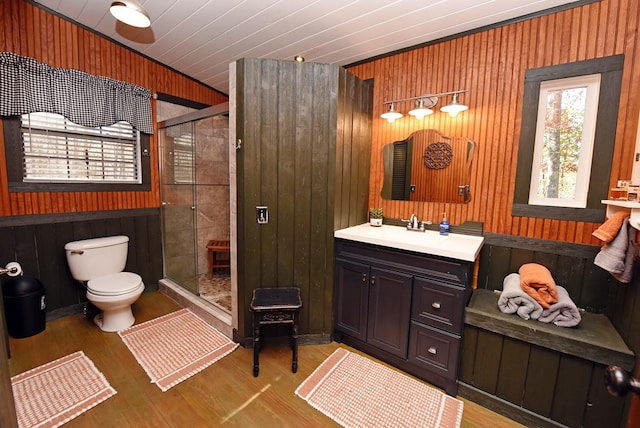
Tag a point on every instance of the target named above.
point(166, 110)
point(178, 194)
point(212, 161)
point(214, 172)
point(212, 204)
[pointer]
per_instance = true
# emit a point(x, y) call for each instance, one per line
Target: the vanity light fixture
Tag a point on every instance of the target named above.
point(391, 115)
point(130, 12)
point(424, 104)
point(423, 107)
point(454, 107)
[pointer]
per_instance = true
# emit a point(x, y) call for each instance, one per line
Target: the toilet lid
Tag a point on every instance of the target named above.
point(115, 284)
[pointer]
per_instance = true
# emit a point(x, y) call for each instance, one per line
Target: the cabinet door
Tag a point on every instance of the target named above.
point(351, 298)
point(389, 310)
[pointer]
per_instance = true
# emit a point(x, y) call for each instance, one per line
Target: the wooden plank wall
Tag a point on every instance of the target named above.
point(305, 155)
point(491, 65)
point(38, 244)
point(33, 32)
point(570, 264)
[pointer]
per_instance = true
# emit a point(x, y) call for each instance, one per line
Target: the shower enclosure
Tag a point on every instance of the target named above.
point(194, 179)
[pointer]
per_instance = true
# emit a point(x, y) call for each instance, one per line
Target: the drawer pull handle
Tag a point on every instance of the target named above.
point(435, 305)
point(364, 277)
point(373, 280)
point(432, 350)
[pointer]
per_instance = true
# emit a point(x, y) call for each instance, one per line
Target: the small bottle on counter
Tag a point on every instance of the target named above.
point(444, 225)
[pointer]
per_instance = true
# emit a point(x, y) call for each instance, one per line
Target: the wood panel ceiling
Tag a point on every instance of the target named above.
point(201, 37)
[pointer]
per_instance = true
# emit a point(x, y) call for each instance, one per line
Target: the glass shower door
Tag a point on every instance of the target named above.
point(177, 145)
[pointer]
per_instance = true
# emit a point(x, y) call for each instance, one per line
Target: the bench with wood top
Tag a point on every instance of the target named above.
point(537, 373)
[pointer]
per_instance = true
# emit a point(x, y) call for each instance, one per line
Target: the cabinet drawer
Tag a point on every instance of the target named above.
point(438, 305)
point(434, 350)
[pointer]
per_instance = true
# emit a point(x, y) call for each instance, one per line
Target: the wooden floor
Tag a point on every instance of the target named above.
point(224, 394)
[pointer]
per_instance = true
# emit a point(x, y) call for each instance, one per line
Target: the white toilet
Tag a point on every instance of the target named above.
point(100, 263)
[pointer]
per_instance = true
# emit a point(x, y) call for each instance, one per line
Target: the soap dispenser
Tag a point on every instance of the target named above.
point(444, 225)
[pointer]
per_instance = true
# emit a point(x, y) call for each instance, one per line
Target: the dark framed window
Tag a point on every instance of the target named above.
point(610, 71)
point(47, 152)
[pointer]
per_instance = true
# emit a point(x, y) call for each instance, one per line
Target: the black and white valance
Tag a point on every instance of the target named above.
point(28, 86)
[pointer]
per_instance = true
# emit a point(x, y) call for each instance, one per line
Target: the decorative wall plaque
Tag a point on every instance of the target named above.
point(438, 155)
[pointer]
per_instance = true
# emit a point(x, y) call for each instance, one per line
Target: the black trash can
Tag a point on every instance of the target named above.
point(24, 305)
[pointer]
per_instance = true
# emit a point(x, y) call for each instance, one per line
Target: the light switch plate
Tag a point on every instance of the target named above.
point(262, 215)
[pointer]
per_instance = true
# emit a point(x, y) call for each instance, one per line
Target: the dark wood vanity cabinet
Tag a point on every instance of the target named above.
point(373, 305)
point(404, 308)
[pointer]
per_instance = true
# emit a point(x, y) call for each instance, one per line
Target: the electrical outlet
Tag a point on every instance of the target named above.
point(262, 215)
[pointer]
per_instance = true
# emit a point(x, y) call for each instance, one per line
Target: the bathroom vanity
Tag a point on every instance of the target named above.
point(400, 296)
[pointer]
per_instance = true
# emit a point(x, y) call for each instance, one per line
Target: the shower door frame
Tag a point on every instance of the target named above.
point(191, 117)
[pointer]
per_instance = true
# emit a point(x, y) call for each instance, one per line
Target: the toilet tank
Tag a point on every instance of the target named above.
point(93, 258)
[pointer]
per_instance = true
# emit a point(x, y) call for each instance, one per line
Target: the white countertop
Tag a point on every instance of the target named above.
point(454, 245)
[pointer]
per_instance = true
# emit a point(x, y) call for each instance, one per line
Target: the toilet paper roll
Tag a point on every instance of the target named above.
point(14, 269)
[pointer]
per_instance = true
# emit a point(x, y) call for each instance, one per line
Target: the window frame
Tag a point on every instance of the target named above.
point(13, 152)
point(592, 84)
point(610, 70)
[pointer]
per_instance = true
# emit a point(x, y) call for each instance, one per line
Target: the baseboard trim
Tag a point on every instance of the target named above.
point(505, 408)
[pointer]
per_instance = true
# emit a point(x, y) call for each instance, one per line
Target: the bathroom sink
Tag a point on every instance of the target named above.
point(456, 246)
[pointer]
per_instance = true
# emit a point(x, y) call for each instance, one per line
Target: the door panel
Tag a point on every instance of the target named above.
point(389, 310)
point(177, 173)
point(351, 299)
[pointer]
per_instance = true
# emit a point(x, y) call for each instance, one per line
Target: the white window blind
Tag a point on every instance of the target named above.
point(183, 159)
point(56, 150)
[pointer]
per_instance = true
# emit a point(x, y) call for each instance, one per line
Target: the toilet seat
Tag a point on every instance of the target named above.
point(114, 284)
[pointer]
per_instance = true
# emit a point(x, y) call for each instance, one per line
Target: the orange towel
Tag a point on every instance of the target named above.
point(611, 227)
point(537, 282)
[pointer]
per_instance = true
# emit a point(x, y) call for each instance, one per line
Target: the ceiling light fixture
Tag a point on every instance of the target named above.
point(424, 104)
point(298, 58)
point(130, 12)
point(391, 115)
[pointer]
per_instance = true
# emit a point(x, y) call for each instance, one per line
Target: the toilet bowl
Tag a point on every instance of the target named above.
point(98, 264)
point(113, 295)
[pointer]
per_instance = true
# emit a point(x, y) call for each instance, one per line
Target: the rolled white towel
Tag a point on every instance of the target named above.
point(565, 313)
point(514, 300)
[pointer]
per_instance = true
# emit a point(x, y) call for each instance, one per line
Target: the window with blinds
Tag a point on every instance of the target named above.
point(56, 150)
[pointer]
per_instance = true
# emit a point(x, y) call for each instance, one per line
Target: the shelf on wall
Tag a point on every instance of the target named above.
point(613, 206)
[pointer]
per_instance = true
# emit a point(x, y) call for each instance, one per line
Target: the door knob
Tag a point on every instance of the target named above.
point(619, 382)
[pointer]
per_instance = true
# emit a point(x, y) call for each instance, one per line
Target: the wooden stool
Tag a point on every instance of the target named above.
point(275, 306)
point(214, 247)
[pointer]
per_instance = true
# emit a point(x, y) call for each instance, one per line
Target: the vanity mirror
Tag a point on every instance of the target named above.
point(428, 167)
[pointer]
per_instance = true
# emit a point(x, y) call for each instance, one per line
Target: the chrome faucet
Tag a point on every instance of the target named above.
point(414, 224)
point(413, 221)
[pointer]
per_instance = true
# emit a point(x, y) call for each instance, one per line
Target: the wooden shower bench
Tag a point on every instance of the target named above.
point(214, 247)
